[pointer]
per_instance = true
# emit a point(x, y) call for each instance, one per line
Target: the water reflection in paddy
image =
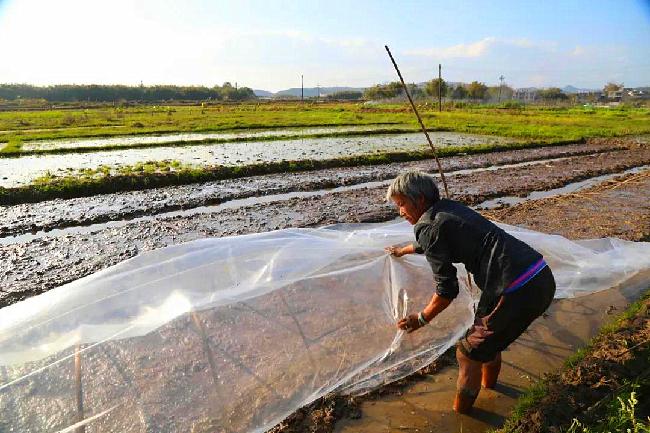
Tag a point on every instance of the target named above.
point(20, 171)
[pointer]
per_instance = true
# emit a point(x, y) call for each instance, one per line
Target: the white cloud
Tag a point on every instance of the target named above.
point(472, 50)
point(480, 48)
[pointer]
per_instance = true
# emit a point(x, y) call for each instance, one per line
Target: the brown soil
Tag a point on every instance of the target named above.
point(617, 208)
point(48, 215)
point(615, 360)
point(36, 266)
point(321, 416)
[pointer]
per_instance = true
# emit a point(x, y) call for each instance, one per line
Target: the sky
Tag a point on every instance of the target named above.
point(268, 44)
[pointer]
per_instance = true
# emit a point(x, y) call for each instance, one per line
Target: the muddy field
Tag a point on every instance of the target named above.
point(60, 213)
point(618, 208)
point(33, 265)
point(93, 233)
point(189, 137)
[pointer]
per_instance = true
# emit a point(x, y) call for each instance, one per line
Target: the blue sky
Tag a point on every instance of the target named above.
point(268, 44)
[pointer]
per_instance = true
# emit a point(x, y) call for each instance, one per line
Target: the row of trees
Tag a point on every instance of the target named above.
point(473, 90)
point(107, 93)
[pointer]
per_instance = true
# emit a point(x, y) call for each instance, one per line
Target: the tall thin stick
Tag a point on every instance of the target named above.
point(78, 388)
point(424, 129)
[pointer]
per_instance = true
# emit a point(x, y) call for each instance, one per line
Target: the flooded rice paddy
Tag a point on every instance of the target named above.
point(193, 137)
point(20, 171)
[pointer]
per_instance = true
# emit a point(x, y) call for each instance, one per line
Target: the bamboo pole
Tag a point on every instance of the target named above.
point(424, 129)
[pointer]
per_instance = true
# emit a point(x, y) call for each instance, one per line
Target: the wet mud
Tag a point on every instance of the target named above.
point(424, 405)
point(618, 208)
point(48, 215)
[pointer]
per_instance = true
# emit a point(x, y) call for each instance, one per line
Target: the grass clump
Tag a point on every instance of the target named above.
point(619, 415)
point(593, 407)
point(12, 147)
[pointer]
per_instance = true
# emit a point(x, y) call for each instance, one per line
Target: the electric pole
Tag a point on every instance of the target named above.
point(439, 87)
point(501, 78)
point(302, 89)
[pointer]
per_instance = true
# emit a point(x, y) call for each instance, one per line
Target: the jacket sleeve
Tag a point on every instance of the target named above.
point(437, 252)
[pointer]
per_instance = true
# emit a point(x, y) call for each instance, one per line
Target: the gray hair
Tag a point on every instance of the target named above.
point(414, 184)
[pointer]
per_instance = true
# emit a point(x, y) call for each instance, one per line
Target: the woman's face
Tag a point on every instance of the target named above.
point(408, 209)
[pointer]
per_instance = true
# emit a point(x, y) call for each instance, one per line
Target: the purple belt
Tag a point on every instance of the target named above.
point(526, 276)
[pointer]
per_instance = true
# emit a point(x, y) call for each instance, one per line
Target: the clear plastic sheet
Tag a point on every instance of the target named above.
point(234, 334)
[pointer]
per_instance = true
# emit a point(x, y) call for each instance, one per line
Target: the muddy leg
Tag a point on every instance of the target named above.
point(469, 382)
point(490, 372)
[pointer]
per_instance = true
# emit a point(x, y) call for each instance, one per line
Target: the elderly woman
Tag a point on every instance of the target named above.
point(517, 286)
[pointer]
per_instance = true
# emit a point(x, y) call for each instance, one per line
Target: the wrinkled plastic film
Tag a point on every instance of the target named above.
point(234, 334)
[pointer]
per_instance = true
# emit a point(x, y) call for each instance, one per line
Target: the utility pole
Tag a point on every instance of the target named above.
point(318, 88)
point(302, 89)
point(439, 87)
point(501, 78)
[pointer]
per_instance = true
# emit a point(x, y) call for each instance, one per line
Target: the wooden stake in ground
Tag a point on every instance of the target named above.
point(424, 129)
point(78, 389)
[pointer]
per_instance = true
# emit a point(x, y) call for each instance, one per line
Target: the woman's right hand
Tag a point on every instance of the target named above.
point(395, 251)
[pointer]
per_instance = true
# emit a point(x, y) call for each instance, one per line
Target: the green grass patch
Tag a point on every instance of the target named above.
point(511, 121)
point(619, 415)
point(13, 147)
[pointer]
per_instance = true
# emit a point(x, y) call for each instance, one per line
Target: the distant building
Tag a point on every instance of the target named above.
point(615, 95)
point(526, 94)
point(588, 95)
point(635, 93)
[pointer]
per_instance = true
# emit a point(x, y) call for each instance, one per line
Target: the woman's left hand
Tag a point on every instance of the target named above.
point(409, 324)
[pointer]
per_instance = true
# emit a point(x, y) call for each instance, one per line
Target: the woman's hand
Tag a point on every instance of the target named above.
point(409, 324)
point(395, 251)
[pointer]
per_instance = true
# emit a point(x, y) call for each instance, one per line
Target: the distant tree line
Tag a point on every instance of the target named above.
point(474, 91)
point(107, 93)
point(345, 95)
point(433, 88)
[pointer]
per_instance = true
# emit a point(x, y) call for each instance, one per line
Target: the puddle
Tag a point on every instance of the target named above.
point(23, 170)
